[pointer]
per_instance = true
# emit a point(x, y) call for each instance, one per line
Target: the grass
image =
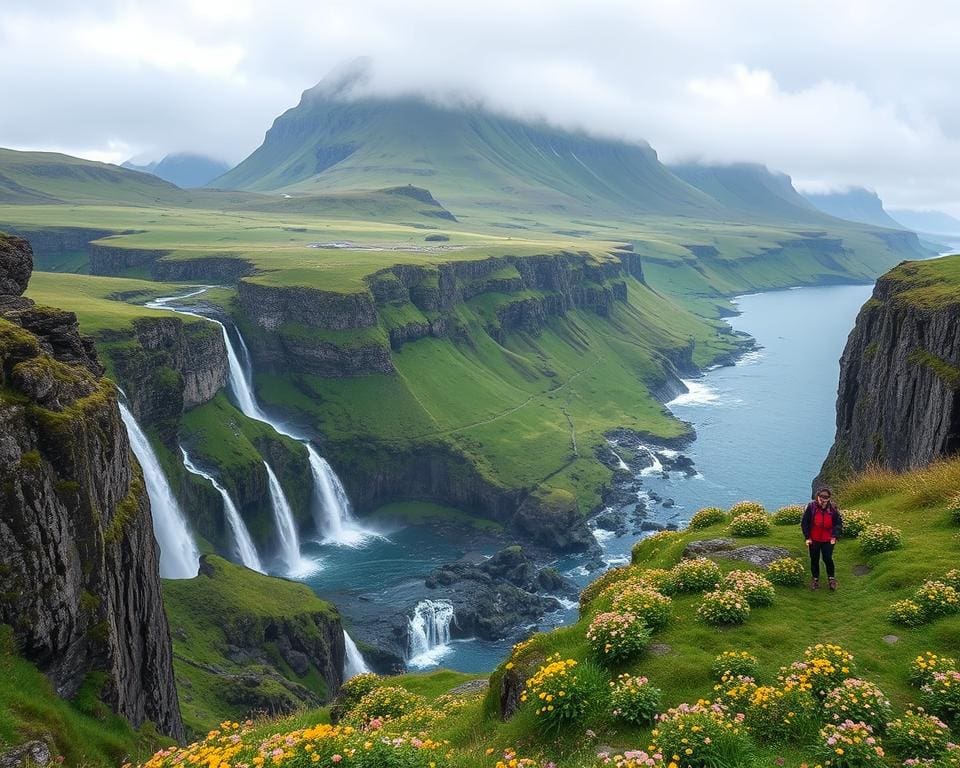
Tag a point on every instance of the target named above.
point(83, 731)
point(929, 285)
point(227, 604)
point(853, 617)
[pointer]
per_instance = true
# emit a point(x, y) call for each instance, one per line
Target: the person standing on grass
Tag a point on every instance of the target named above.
point(821, 526)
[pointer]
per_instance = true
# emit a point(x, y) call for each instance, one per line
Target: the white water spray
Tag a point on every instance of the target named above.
point(428, 633)
point(335, 523)
point(179, 556)
point(353, 663)
point(243, 543)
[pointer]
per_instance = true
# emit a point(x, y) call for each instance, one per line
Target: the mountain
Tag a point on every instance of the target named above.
point(749, 189)
point(855, 204)
point(933, 222)
point(186, 170)
point(467, 157)
point(29, 178)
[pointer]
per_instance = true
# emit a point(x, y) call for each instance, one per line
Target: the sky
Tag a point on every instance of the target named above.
point(837, 94)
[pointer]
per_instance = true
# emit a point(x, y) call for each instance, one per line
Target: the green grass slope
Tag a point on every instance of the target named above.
point(225, 625)
point(464, 730)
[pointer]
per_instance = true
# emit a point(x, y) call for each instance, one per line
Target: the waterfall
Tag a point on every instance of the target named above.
point(179, 557)
point(245, 548)
point(287, 529)
point(428, 633)
point(353, 663)
point(331, 506)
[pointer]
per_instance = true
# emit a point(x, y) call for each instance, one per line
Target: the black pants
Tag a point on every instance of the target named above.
point(818, 548)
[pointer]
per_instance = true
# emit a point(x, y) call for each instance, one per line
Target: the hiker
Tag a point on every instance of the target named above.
point(821, 525)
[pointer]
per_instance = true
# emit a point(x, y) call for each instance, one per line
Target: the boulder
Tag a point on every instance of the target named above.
point(755, 554)
point(705, 547)
point(16, 264)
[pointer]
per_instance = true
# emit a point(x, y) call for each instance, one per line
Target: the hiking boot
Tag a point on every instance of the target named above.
point(833, 584)
point(815, 584)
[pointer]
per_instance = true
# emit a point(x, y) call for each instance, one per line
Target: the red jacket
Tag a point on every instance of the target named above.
point(821, 524)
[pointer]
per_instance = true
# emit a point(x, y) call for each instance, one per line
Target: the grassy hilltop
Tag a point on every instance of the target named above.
point(416, 726)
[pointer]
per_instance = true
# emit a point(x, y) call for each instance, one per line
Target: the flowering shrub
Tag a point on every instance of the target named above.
point(616, 636)
point(823, 668)
point(601, 583)
point(923, 668)
point(950, 757)
point(351, 692)
point(734, 692)
point(735, 663)
point(777, 714)
point(706, 517)
point(942, 694)
point(632, 758)
point(633, 699)
point(557, 691)
point(859, 701)
point(787, 572)
point(694, 575)
point(790, 515)
point(952, 578)
point(854, 522)
point(907, 613)
point(878, 538)
point(655, 578)
point(511, 760)
point(723, 607)
point(323, 744)
point(747, 507)
point(384, 702)
point(937, 599)
point(918, 735)
point(954, 508)
point(756, 588)
point(701, 735)
point(849, 745)
point(750, 524)
point(648, 605)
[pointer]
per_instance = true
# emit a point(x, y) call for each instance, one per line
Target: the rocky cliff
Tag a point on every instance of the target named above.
point(899, 397)
point(78, 559)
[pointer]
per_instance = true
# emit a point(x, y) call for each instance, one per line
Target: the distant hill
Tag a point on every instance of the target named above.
point(855, 204)
point(467, 158)
point(184, 169)
point(750, 189)
point(50, 178)
point(933, 222)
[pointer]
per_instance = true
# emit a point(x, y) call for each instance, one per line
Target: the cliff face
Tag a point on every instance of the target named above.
point(78, 559)
point(899, 397)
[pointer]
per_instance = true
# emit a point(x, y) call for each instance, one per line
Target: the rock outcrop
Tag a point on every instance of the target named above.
point(899, 397)
point(78, 560)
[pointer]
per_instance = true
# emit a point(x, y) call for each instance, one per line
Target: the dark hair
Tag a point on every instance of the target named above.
point(823, 489)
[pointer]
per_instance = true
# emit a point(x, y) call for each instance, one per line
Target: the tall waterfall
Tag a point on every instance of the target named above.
point(428, 633)
point(287, 529)
point(179, 557)
point(353, 663)
point(246, 550)
point(331, 506)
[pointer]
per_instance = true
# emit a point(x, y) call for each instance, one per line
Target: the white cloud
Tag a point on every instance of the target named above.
point(835, 93)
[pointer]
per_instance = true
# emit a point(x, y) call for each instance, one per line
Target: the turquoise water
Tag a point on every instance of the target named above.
point(763, 428)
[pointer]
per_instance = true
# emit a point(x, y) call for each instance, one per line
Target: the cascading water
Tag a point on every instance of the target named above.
point(331, 505)
point(428, 633)
point(287, 529)
point(246, 550)
point(353, 663)
point(179, 556)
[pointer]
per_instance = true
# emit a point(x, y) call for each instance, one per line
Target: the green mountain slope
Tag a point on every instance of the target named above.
point(750, 190)
point(51, 178)
point(466, 157)
point(855, 204)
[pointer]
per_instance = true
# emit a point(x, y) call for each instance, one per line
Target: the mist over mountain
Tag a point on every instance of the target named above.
point(933, 222)
point(855, 204)
point(186, 170)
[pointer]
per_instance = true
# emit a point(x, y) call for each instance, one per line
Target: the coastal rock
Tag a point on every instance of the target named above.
point(898, 403)
point(705, 547)
point(80, 564)
point(550, 517)
point(755, 554)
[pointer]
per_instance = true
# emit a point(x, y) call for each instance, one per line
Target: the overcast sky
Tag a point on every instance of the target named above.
point(835, 93)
